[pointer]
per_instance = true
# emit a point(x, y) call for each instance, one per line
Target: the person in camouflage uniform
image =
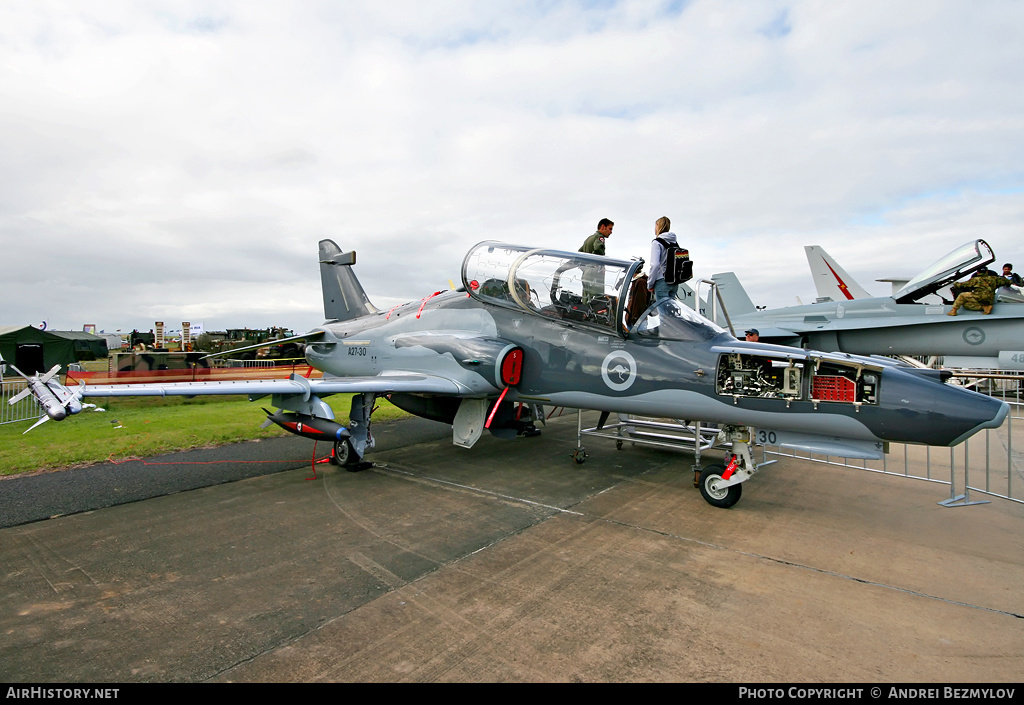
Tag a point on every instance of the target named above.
point(979, 292)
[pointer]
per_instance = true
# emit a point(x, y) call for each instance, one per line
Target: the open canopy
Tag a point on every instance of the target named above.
point(957, 264)
point(579, 288)
point(572, 286)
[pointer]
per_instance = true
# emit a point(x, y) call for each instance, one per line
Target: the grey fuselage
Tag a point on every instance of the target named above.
point(579, 365)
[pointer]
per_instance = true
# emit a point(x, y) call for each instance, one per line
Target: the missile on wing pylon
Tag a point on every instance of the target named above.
point(318, 429)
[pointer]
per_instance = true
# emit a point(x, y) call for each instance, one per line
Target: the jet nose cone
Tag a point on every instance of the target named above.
point(991, 413)
point(923, 410)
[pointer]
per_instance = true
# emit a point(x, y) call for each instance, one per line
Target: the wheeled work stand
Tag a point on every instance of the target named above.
point(720, 484)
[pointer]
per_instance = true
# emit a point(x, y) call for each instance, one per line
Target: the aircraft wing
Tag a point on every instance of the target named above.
point(380, 384)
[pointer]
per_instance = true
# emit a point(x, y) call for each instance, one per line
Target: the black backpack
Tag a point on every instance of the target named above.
point(678, 267)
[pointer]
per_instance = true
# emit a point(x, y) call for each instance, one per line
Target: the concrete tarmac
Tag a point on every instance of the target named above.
point(509, 562)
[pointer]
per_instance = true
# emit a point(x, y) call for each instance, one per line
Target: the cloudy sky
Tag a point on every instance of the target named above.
point(180, 160)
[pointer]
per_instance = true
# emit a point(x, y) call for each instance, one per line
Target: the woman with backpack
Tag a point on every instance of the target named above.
point(669, 262)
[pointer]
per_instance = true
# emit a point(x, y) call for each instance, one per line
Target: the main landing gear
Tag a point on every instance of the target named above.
point(349, 452)
point(344, 454)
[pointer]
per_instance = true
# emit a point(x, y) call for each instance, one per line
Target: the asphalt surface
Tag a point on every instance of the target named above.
point(509, 562)
point(46, 495)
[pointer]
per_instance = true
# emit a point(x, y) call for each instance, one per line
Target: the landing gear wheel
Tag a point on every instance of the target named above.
point(344, 453)
point(618, 445)
point(723, 497)
point(579, 455)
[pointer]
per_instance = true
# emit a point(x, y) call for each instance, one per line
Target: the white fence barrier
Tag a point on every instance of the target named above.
point(25, 410)
point(223, 363)
point(986, 463)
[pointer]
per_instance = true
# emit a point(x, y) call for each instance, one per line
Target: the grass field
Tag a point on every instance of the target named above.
point(144, 426)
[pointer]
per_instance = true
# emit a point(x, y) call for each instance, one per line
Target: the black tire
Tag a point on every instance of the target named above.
point(344, 453)
point(722, 498)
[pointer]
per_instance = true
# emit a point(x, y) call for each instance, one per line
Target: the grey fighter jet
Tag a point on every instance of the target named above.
point(543, 327)
point(902, 324)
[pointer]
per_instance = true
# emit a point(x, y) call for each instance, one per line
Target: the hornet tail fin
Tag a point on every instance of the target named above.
point(344, 298)
point(831, 280)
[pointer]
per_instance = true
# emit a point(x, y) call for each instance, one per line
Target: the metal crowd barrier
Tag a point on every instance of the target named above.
point(985, 464)
point(225, 363)
point(25, 410)
point(261, 363)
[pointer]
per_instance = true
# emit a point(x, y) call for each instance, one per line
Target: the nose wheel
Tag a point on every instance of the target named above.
point(721, 485)
point(713, 488)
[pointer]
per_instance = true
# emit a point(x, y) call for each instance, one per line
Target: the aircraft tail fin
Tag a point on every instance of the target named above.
point(344, 298)
point(831, 280)
point(734, 296)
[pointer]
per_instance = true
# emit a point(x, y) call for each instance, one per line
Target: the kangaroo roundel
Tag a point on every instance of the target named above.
point(618, 370)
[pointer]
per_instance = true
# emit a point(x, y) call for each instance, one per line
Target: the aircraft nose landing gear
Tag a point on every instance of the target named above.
point(715, 490)
point(720, 485)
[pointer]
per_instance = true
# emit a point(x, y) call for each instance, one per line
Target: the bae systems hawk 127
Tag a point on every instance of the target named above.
point(543, 327)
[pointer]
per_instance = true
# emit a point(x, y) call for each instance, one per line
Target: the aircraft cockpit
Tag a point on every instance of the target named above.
point(575, 287)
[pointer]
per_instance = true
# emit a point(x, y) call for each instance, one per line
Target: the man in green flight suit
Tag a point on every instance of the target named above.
point(594, 245)
point(593, 275)
point(980, 292)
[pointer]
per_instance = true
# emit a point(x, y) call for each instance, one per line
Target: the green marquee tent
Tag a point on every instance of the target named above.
point(32, 350)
